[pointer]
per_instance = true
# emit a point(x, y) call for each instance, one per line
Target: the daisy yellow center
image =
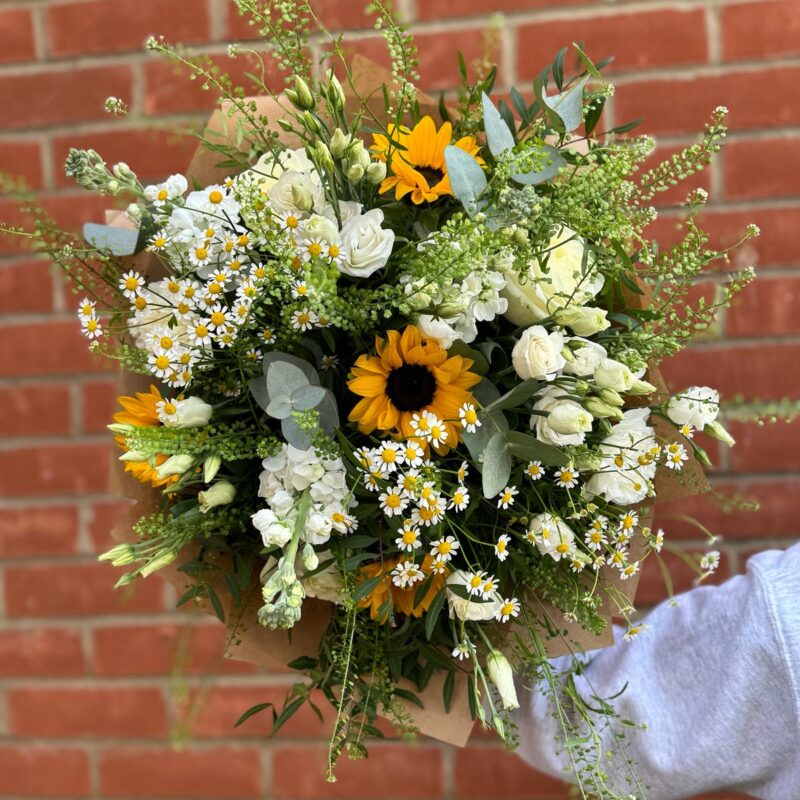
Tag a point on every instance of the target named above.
point(201, 253)
point(91, 325)
point(165, 342)
point(409, 537)
point(501, 546)
point(506, 609)
point(471, 416)
point(162, 362)
point(140, 303)
point(619, 462)
point(388, 456)
point(215, 197)
point(292, 222)
point(169, 408)
point(159, 241)
point(201, 331)
point(562, 548)
point(444, 548)
point(337, 517)
point(393, 501)
point(333, 251)
point(427, 514)
point(218, 317)
point(131, 283)
point(475, 581)
point(163, 194)
point(458, 498)
point(315, 249)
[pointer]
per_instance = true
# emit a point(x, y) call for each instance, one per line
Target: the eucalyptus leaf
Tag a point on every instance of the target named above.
point(480, 366)
point(279, 407)
point(306, 397)
point(294, 435)
point(529, 448)
point(258, 388)
point(284, 378)
point(117, 241)
point(568, 105)
point(498, 135)
point(328, 413)
point(518, 395)
point(467, 179)
point(276, 355)
point(555, 162)
point(497, 463)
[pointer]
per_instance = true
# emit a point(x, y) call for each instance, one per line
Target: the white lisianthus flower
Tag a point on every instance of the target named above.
point(552, 536)
point(697, 406)
point(611, 374)
point(537, 354)
point(365, 245)
point(275, 531)
point(268, 169)
point(553, 282)
point(502, 676)
point(570, 417)
point(472, 609)
point(584, 320)
point(220, 494)
point(586, 358)
point(297, 191)
point(189, 413)
point(319, 227)
point(552, 400)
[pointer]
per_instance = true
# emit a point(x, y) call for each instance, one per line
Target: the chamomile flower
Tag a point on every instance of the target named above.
point(463, 471)
point(462, 651)
point(501, 546)
point(628, 570)
point(91, 327)
point(160, 364)
point(445, 548)
point(313, 248)
point(200, 333)
point(247, 291)
point(393, 502)
point(510, 607)
point(421, 424)
point(200, 253)
point(130, 284)
point(159, 242)
point(595, 539)
point(253, 354)
point(334, 253)
point(218, 317)
point(657, 542)
point(633, 632)
point(343, 522)
point(438, 433)
point(267, 335)
point(409, 538)
point(629, 521)
point(710, 561)
point(506, 498)
point(468, 415)
point(300, 290)
point(86, 309)
point(388, 456)
point(329, 362)
point(460, 498)
point(567, 477)
point(167, 411)
point(430, 513)
point(225, 337)
point(488, 588)
point(303, 319)
point(675, 456)
point(687, 430)
point(413, 454)
point(409, 481)
point(289, 220)
point(535, 470)
point(244, 242)
point(439, 566)
point(406, 574)
point(475, 582)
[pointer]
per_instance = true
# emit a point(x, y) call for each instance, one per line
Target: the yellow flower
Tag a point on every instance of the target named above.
point(408, 376)
point(401, 599)
point(416, 159)
point(140, 411)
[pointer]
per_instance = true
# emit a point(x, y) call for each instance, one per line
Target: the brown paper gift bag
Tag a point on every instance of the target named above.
point(249, 641)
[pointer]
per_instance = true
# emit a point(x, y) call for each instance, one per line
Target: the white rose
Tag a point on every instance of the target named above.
point(348, 209)
point(366, 246)
point(697, 406)
point(189, 413)
point(552, 283)
point(537, 354)
point(320, 227)
point(268, 169)
point(550, 400)
point(553, 537)
point(275, 532)
point(584, 320)
point(586, 358)
point(471, 609)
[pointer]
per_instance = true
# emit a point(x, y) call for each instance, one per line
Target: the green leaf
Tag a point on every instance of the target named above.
point(497, 463)
point(498, 136)
point(516, 397)
point(529, 448)
point(410, 696)
point(520, 105)
point(432, 615)
point(233, 588)
point(280, 406)
point(358, 541)
point(628, 126)
point(289, 710)
point(593, 114)
point(558, 68)
point(366, 587)
point(480, 366)
point(303, 663)
point(443, 112)
point(473, 708)
point(587, 62)
point(447, 690)
point(284, 378)
point(467, 178)
point(216, 604)
point(252, 712)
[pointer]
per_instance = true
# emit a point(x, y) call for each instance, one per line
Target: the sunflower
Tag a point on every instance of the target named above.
point(141, 412)
point(401, 599)
point(416, 159)
point(408, 375)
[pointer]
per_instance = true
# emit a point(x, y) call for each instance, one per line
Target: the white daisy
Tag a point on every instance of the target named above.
point(445, 548)
point(393, 502)
point(567, 478)
point(534, 470)
point(506, 499)
point(501, 546)
point(406, 574)
point(510, 607)
point(468, 415)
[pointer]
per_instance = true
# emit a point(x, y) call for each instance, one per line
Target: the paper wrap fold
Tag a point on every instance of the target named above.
point(250, 642)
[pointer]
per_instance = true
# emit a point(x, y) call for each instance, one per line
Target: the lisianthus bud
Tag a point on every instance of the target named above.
point(211, 467)
point(133, 455)
point(191, 412)
point(717, 431)
point(335, 91)
point(612, 397)
point(355, 173)
point(602, 410)
point(220, 494)
point(611, 374)
point(584, 320)
point(305, 100)
point(702, 457)
point(164, 560)
point(376, 172)
point(323, 155)
point(502, 677)
point(119, 556)
point(302, 197)
point(175, 465)
point(569, 417)
point(311, 123)
point(310, 558)
point(641, 387)
point(340, 141)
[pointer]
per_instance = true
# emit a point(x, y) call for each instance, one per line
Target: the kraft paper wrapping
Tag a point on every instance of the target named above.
point(250, 642)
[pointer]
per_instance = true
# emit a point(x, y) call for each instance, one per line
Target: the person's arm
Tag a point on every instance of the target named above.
point(716, 679)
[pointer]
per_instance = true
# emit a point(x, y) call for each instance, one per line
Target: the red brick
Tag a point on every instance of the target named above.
point(168, 89)
point(55, 469)
point(636, 40)
point(39, 771)
point(104, 516)
point(192, 648)
point(26, 286)
point(98, 403)
point(35, 410)
point(768, 307)
point(490, 771)
point(222, 706)
point(151, 154)
point(442, 9)
point(771, 447)
point(759, 29)
point(218, 773)
point(70, 712)
point(40, 531)
point(41, 652)
point(77, 590)
point(22, 158)
point(57, 97)
point(47, 348)
point(16, 35)
point(334, 14)
point(652, 589)
point(299, 773)
point(102, 26)
point(762, 98)
point(761, 168)
point(764, 370)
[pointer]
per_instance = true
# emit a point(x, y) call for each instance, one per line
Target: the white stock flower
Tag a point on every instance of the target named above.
point(365, 245)
point(275, 532)
point(551, 400)
point(317, 529)
point(537, 354)
point(697, 406)
point(551, 285)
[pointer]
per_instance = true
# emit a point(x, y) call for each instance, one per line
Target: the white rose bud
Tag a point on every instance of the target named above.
point(302, 197)
point(501, 675)
point(586, 357)
point(584, 320)
point(220, 494)
point(211, 467)
point(340, 142)
point(174, 465)
point(538, 354)
point(697, 406)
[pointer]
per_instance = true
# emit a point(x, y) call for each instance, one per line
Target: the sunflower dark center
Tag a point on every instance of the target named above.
point(432, 175)
point(410, 387)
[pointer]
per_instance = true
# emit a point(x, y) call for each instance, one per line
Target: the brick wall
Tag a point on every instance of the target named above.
point(95, 683)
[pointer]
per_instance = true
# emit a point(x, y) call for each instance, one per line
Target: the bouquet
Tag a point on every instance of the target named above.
point(399, 418)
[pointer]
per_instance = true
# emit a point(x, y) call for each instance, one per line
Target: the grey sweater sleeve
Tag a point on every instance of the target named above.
point(716, 679)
